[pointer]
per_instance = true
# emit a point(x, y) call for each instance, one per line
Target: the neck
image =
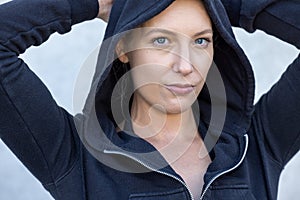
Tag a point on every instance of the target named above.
point(161, 128)
point(171, 134)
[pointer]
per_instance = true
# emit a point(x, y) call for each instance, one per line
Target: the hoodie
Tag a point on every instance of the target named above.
point(84, 157)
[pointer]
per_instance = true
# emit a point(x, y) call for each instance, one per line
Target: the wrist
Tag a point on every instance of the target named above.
point(104, 9)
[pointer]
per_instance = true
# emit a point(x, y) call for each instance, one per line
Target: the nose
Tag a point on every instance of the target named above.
point(182, 62)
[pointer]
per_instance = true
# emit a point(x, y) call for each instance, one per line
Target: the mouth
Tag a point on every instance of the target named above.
point(180, 89)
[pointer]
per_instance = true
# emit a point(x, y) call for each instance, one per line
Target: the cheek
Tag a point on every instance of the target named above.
point(202, 63)
point(147, 68)
point(146, 76)
point(151, 93)
point(142, 57)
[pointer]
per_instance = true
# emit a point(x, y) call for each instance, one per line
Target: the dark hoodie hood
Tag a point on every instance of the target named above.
point(232, 63)
point(229, 61)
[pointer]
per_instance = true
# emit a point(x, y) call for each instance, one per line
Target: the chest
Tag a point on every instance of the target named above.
point(94, 180)
point(192, 169)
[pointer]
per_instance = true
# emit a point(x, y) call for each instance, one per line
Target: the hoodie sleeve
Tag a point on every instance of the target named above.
point(32, 125)
point(278, 111)
point(242, 13)
point(277, 114)
point(279, 18)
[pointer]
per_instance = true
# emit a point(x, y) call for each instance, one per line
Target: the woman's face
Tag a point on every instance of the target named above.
point(170, 56)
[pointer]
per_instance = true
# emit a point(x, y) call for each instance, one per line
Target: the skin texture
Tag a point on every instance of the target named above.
point(169, 62)
point(104, 9)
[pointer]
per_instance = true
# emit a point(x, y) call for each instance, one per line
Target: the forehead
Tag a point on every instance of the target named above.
point(182, 15)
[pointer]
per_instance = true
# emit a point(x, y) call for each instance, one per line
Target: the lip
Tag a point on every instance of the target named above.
point(180, 89)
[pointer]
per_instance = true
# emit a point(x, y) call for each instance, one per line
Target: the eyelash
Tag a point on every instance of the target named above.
point(156, 42)
point(207, 41)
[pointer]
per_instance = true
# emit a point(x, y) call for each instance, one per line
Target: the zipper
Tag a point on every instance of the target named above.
point(179, 180)
point(229, 170)
point(150, 168)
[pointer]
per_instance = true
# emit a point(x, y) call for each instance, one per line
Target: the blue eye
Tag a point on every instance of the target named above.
point(160, 41)
point(202, 42)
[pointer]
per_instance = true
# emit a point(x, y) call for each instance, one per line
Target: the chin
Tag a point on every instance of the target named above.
point(177, 108)
point(175, 111)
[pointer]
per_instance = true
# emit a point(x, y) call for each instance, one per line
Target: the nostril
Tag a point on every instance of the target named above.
point(185, 68)
point(182, 64)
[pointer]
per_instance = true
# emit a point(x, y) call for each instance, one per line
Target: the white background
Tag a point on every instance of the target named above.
point(57, 63)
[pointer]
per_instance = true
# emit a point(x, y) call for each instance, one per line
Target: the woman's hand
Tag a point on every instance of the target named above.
point(104, 9)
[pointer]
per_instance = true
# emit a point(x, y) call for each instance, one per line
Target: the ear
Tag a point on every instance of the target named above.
point(121, 53)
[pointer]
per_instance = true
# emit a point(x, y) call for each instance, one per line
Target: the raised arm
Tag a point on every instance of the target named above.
point(277, 114)
point(33, 126)
point(279, 18)
point(279, 110)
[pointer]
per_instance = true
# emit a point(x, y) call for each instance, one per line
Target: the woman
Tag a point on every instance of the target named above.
point(151, 145)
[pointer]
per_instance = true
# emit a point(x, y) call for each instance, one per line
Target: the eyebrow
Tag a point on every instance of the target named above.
point(160, 30)
point(206, 31)
point(165, 31)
